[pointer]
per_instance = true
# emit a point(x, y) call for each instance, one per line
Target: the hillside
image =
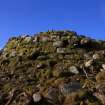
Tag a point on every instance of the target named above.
point(52, 68)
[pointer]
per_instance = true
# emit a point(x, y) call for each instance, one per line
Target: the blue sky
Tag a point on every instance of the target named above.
point(31, 16)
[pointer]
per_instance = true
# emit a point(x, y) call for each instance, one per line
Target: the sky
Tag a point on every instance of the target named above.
point(18, 17)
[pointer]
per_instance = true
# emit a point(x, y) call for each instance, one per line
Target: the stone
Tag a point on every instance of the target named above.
point(27, 39)
point(45, 39)
point(96, 56)
point(35, 39)
point(73, 69)
point(84, 41)
point(53, 94)
point(103, 66)
point(60, 50)
point(5, 49)
point(88, 63)
point(57, 73)
point(73, 40)
point(23, 36)
point(42, 57)
point(55, 38)
point(58, 44)
point(40, 65)
point(13, 54)
point(67, 88)
point(21, 53)
point(87, 56)
point(100, 77)
point(100, 96)
point(5, 55)
point(37, 97)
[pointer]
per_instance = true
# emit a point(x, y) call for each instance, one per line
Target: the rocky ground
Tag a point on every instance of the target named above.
point(52, 68)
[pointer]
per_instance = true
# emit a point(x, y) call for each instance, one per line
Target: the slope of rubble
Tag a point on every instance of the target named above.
point(52, 68)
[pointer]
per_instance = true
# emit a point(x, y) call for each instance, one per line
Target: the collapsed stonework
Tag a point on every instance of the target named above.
point(52, 68)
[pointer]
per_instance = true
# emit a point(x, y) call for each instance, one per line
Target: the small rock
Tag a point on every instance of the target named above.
point(5, 55)
point(73, 41)
point(84, 41)
point(35, 39)
point(60, 50)
point(5, 49)
point(74, 70)
point(40, 65)
point(87, 56)
point(58, 44)
point(57, 73)
point(88, 63)
point(96, 56)
point(45, 39)
point(53, 94)
point(21, 53)
point(37, 97)
point(42, 57)
point(100, 77)
point(13, 54)
point(101, 70)
point(100, 96)
point(67, 88)
point(54, 37)
point(103, 66)
point(23, 36)
point(27, 39)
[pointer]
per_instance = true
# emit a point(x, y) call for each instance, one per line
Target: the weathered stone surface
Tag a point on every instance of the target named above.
point(61, 50)
point(35, 39)
point(100, 77)
point(37, 97)
point(96, 56)
point(67, 88)
point(52, 68)
point(40, 65)
point(45, 39)
point(73, 69)
point(84, 41)
point(13, 54)
point(88, 63)
point(27, 39)
point(58, 44)
point(53, 95)
point(73, 40)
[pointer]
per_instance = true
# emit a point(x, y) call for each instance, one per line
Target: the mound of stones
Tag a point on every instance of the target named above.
point(52, 68)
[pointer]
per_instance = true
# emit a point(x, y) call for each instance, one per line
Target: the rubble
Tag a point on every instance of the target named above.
point(37, 97)
point(73, 70)
point(52, 68)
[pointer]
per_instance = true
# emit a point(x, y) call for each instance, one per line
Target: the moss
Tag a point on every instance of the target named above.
point(71, 99)
point(46, 73)
point(64, 38)
point(5, 62)
point(100, 77)
point(12, 44)
point(71, 46)
point(57, 73)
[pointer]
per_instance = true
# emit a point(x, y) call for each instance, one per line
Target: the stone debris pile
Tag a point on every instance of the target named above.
point(52, 68)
